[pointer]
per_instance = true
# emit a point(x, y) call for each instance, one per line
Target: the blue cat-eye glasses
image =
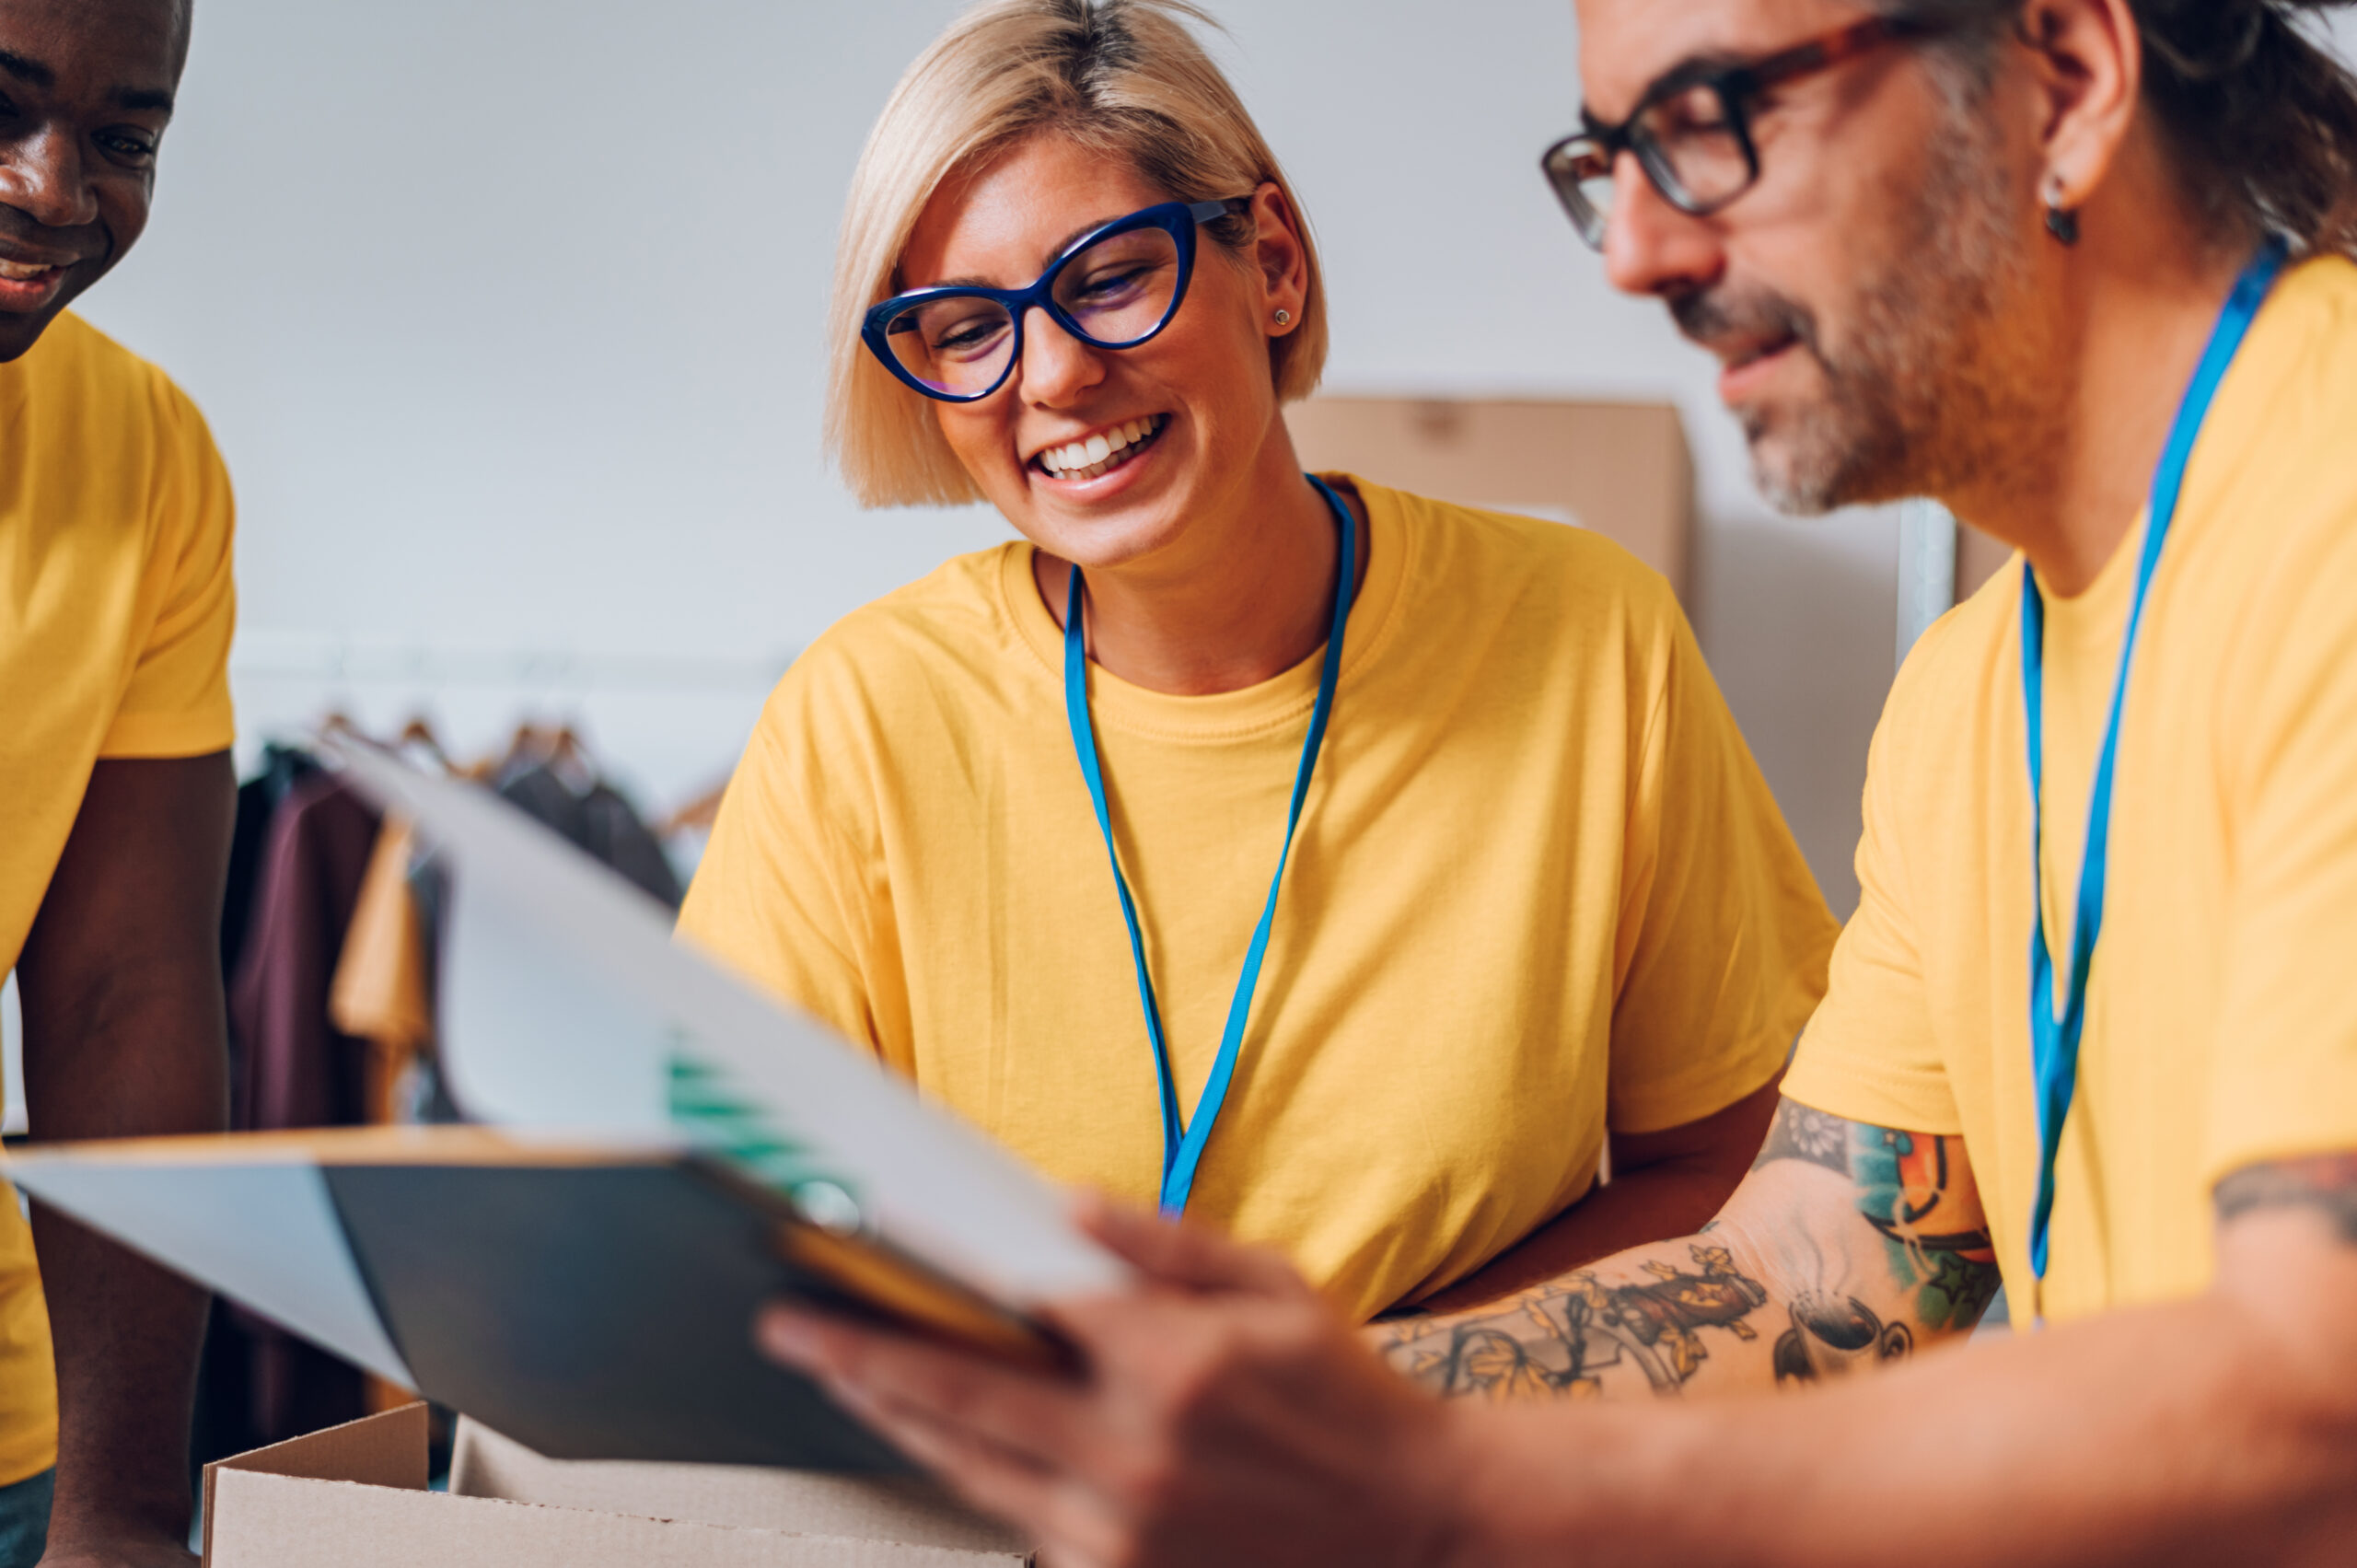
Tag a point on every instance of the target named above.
point(1115, 287)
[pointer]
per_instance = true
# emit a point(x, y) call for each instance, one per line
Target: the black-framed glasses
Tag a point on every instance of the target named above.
point(1692, 132)
point(1114, 287)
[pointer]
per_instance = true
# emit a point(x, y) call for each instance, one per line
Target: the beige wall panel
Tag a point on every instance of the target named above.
point(1621, 469)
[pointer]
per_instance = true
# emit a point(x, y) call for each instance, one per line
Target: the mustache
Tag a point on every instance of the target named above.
point(1714, 315)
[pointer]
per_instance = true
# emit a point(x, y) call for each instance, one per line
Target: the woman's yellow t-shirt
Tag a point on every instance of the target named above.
point(116, 608)
point(2221, 1023)
point(1538, 890)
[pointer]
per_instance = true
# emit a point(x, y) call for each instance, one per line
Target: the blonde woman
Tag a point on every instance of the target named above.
point(1344, 867)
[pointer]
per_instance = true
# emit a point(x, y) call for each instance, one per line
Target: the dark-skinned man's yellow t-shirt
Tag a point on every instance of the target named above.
point(2221, 1012)
point(116, 608)
point(1540, 891)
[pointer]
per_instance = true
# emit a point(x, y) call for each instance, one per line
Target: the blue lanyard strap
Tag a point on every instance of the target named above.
point(2054, 1037)
point(1183, 1143)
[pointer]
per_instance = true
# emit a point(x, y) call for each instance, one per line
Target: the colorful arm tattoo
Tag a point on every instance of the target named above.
point(1659, 1311)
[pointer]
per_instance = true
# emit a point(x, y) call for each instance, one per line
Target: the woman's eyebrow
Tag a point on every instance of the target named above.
point(1055, 251)
point(1077, 235)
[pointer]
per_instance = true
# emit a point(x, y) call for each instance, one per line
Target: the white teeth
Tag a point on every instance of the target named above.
point(1086, 459)
point(21, 271)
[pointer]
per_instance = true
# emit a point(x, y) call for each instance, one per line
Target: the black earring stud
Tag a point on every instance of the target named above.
point(2061, 221)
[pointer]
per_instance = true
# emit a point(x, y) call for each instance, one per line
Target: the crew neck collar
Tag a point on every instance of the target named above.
point(2096, 613)
point(1282, 701)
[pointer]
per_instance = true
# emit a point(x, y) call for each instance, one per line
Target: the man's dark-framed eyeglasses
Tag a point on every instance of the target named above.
point(1114, 287)
point(1692, 132)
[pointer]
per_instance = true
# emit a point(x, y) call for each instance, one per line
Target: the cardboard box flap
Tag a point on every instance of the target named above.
point(386, 1450)
point(269, 1521)
point(903, 1509)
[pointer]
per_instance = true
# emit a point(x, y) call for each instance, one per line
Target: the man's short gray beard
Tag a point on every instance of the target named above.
point(1916, 397)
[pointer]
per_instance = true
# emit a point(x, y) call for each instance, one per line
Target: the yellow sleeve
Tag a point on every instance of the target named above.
point(787, 890)
point(1869, 1054)
point(1725, 934)
point(2286, 1069)
point(176, 703)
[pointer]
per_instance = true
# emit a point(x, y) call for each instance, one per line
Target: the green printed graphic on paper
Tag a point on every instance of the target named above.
point(724, 1122)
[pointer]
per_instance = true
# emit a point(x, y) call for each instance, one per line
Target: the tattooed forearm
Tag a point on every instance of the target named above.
point(1572, 1332)
point(2326, 1184)
point(1808, 1277)
point(1562, 1340)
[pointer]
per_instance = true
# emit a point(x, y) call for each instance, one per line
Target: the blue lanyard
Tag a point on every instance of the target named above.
point(2054, 1040)
point(1182, 1143)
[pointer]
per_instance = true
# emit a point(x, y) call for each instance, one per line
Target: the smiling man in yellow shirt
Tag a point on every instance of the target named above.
point(116, 607)
point(2084, 270)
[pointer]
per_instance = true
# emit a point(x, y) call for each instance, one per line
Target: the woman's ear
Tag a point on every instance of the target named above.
point(1280, 259)
point(2087, 62)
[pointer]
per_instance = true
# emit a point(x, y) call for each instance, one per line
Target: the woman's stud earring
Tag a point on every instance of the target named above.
point(2061, 222)
point(1284, 317)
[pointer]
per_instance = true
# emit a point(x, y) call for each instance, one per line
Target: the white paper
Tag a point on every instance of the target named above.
point(565, 1001)
point(266, 1233)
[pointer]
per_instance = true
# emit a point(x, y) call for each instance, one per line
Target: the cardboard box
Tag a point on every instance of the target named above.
point(356, 1497)
point(1621, 469)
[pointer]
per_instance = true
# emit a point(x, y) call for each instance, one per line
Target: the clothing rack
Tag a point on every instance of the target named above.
point(313, 658)
point(668, 723)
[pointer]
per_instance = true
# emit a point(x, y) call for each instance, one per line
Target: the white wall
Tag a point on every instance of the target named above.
point(507, 315)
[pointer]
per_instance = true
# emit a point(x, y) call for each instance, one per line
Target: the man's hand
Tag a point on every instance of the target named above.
point(1223, 1402)
point(1226, 1416)
point(125, 1036)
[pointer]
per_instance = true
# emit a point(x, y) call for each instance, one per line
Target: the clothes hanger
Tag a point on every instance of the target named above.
point(697, 816)
point(419, 734)
point(530, 744)
point(570, 759)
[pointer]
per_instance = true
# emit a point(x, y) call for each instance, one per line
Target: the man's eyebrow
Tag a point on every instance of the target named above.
point(142, 99)
point(27, 70)
point(1694, 68)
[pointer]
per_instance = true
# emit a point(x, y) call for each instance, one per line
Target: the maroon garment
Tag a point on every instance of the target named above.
point(293, 1069)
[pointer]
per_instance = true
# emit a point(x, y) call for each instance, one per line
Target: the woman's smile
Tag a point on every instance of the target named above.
point(1077, 467)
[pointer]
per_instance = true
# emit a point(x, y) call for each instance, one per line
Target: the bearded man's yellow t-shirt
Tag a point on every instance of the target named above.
point(2222, 1016)
point(116, 608)
point(1538, 890)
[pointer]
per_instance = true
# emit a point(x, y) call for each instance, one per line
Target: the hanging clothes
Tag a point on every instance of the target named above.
point(258, 800)
point(597, 819)
point(295, 1068)
point(300, 1071)
point(380, 993)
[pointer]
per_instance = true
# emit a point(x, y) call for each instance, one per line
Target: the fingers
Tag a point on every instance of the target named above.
point(1022, 1413)
point(993, 1480)
point(1190, 1256)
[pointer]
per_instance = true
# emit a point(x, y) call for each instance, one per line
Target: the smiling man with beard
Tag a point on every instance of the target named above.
point(2082, 270)
point(116, 607)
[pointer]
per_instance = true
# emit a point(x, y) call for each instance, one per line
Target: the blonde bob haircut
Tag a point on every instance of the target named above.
point(1123, 79)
